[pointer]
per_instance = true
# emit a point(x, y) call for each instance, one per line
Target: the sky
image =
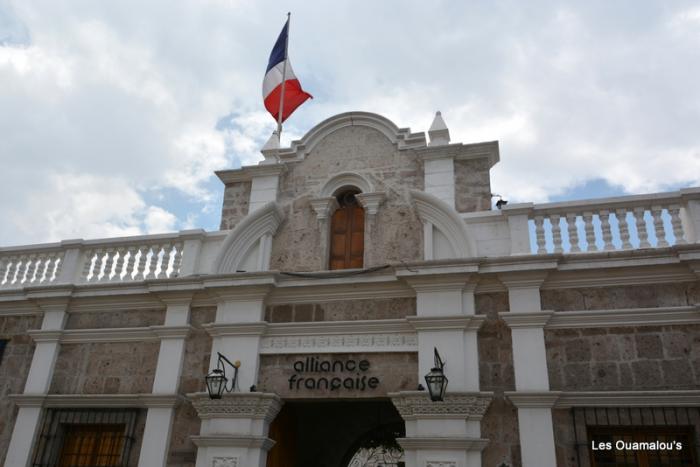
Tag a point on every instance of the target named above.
point(114, 115)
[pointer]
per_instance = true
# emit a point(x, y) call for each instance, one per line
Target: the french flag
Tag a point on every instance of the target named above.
point(280, 86)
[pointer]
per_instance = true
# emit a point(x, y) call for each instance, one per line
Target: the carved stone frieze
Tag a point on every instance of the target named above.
point(224, 462)
point(237, 405)
point(398, 342)
point(441, 464)
point(417, 404)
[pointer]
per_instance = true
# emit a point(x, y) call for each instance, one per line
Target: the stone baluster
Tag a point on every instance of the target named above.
point(590, 232)
point(623, 227)
point(153, 263)
point(50, 270)
point(88, 266)
point(119, 264)
point(165, 262)
point(556, 232)
point(58, 261)
point(109, 264)
point(674, 211)
point(13, 270)
point(573, 232)
point(4, 262)
point(606, 229)
point(30, 270)
point(177, 260)
point(539, 235)
point(131, 251)
point(141, 267)
point(42, 266)
point(641, 225)
point(659, 229)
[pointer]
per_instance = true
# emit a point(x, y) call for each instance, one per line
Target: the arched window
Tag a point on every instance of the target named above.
point(347, 232)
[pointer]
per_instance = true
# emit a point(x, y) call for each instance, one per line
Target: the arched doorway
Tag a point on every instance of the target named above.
point(377, 448)
point(347, 247)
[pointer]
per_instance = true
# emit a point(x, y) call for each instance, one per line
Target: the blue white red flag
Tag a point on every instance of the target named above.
point(280, 74)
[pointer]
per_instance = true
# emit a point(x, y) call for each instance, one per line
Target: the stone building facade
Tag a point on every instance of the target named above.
point(342, 263)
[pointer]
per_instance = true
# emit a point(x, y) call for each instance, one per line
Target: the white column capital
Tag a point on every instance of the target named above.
point(324, 207)
point(371, 201)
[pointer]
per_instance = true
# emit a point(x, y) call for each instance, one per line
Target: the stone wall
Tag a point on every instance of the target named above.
point(564, 438)
point(472, 185)
point(398, 232)
point(394, 372)
point(349, 310)
point(115, 319)
point(644, 357)
point(105, 368)
point(235, 207)
point(14, 368)
point(500, 427)
point(609, 298)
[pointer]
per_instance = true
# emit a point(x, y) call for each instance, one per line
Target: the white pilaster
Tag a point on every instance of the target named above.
point(156, 435)
point(38, 382)
point(526, 321)
point(263, 190)
point(439, 179)
point(235, 428)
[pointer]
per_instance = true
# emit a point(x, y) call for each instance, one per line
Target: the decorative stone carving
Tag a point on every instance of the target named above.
point(441, 464)
point(371, 201)
point(417, 405)
point(238, 405)
point(224, 462)
point(324, 207)
point(405, 342)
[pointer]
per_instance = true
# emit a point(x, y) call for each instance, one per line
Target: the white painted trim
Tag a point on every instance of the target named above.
point(340, 343)
point(344, 179)
point(459, 443)
point(444, 217)
point(253, 442)
point(95, 400)
point(135, 334)
point(660, 316)
point(665, 398)
point(442, 323)
point(325, 328)
point(533, 399)
point(244, 236)
point(235, 329)
point(536, 319)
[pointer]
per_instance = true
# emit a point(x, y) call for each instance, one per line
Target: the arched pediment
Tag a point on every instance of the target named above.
point(339, 181)
point(250, 241)
point(453, 239)
point(401, 137)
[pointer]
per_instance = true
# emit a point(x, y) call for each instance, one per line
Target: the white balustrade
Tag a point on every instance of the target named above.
point(623, 223)
point(26, 269)
point(133, 262)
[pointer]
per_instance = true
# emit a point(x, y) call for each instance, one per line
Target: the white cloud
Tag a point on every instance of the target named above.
point(106, 106)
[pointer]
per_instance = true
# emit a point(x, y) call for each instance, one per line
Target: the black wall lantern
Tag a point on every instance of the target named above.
point(217, 382)
point(436, 379)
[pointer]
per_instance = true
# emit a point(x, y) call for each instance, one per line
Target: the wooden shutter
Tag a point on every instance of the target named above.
point(347, 238)
point(92, 445)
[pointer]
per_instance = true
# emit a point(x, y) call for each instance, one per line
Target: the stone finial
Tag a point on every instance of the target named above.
point(271, 149)
point(438, 132)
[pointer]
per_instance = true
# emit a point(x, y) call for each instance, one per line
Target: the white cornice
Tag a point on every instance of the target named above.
point(660, 316)
point(533, 399)
point(442, 443)
point(135, 334)
point(690, 398)
point(236, 329)
point(96, 400)
point(246, 174)
point(323, 328)
point(253, 442)
point(536, 319)
point(435, 323)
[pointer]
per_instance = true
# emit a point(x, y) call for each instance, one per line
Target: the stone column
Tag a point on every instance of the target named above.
point(324, 209)
point(370, 202)
point(532, 397)
point(234, 429)
point(38, 381)
point(445, 434)
point(156, 436)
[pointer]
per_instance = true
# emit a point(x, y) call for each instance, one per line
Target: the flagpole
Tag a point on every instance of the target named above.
point(284, 82)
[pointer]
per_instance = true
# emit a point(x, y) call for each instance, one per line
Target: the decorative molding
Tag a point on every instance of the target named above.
point(344, 179)
point(246, 174)
point(444, 218)
point(253, 405)
point(242, 441)
point(440, 323)
point(135, 334)
point(257, 328)
point(371, 201)
point(415, 405)
point(324, 207)
point(224, 462)
point(535, 319)
point(96, 400)
point(665, 398)
point(533, 399)
point(441, 464)
point(444, 443)
point(262, 222)
point(661, 316)
point(340, 343)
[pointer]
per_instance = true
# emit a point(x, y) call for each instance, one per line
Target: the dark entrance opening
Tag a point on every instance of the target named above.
point(332, 433)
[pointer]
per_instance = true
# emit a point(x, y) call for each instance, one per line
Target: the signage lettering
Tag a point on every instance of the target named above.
point(354, 382)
